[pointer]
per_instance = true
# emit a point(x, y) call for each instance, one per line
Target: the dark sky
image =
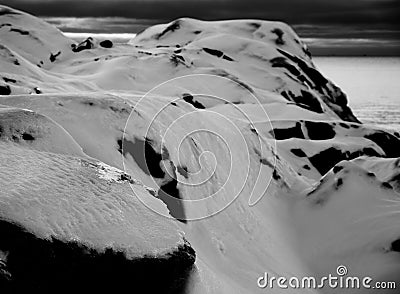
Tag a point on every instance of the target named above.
point(358, 27)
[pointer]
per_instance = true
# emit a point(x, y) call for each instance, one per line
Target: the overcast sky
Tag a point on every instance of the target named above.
point(355, 26)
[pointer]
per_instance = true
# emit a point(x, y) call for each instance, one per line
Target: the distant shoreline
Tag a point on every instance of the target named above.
point(315, 51)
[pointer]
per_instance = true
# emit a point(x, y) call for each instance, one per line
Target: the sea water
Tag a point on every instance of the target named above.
point(372, 85)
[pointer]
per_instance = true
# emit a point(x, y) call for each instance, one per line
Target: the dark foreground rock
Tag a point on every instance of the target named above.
point(36, 265)
point(69, 224)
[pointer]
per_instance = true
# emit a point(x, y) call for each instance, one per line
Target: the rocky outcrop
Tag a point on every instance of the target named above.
point(74, 222)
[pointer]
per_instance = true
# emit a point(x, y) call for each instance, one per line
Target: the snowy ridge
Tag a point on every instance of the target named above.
point(212, 148)
point(36, 131)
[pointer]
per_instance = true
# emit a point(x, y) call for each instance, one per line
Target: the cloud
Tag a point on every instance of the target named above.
point(348, 42)
point(324, 20)
point(100, 24)
point(292, 11)
point(353, 46)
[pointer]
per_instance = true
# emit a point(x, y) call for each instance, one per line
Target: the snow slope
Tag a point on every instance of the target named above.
point(216, 144)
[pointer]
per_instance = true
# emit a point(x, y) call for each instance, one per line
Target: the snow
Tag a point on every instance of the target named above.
point(274, 172)
point(68, 198)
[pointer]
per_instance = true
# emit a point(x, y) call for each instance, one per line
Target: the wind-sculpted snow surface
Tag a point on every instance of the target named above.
point(193, 159)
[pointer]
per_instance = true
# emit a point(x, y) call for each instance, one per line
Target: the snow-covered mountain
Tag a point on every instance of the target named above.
point(193, 159)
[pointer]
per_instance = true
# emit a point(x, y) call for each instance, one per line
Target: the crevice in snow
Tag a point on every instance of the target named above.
point(144, 155)
point(170, 195)
point(149, 161)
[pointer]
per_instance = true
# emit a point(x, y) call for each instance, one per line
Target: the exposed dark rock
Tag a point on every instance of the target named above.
point(5, 90)
point(189, 99)
point(27, 137)
point(315, 76)
point(319, 83)
point(369, 152)
point(338, 183)
point(53, 57)
point(171, 28)
point(183, 171)
point(90, 103)
point(319, 130)
point(125, 110)
point(8, 80)
point(337, 168)
point(328, 158)
point(213, 52)
point(225, 74)
point(142, 52)
point(310, 101)
point(264, 161)
point(287, 133)
point(37, 265)
point(84, 45)
point(276, 175)
point(176, 59)
point(306, 100)
point(119, 142)
point(22, 32)
point(386, 185)
point(255, 25)
point(226, 57)
point(106, 44)
point(37, 90)
point(395, 180)
point(217, 53)
point(389, 143)
point(395, 246)
point(286, 95)
point(281, 61)
point(305, 50)
point(343, 125)
point(298, 152)
point(279, 34)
